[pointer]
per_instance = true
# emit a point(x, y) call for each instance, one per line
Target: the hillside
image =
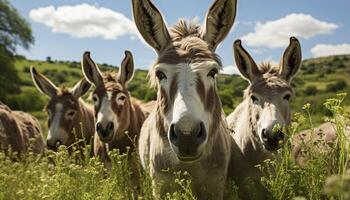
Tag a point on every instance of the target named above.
point(318, 80)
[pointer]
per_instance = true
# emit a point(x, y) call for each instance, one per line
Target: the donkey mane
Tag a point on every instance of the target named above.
point(63, 90)
point(271, 79)
point(109, 76)
point(268, 68)
point(184, 29)
point(186, 45)
point(4, 107)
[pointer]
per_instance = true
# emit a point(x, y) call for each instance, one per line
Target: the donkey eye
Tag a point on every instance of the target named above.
point(160, 75)
point(213, 73)
point(122, 98)
point(254, 99)
point(287, 97)
point(70, 113)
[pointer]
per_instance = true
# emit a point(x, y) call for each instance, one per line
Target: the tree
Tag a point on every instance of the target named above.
point(14, 32)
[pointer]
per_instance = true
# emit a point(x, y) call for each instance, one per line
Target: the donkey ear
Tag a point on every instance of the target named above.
point(291, 60)
point(150, 24)
point(81, 88)
point(43, 84)
point(245, 62)
point(90, 70)
point(126, 70)
point(219, 21)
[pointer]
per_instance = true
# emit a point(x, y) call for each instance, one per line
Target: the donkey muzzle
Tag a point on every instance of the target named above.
point(53, 145)
point(272, 139)
point(105, 133)
point(186, 143)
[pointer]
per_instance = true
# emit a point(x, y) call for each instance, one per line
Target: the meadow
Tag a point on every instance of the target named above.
point(74, 175)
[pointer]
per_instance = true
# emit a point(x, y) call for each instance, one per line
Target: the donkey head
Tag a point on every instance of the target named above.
point(63, 110)
point(269, 92)
point(188, 106)
point(111, 97)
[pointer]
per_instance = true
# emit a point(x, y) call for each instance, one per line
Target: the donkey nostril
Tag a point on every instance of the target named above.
point(173, 135)
point(58, 143)
point(264, 135)
point(98, 127)
point(201, 131)
point(110, 126)
point(280, 135)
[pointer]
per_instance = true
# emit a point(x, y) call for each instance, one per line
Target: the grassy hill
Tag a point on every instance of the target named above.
point(318, 80)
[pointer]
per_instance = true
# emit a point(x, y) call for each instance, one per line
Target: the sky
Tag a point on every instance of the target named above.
point(64, 29)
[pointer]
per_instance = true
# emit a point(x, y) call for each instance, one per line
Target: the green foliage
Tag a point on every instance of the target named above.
point(310, 90)
point(29, 99)
point(9, 79)
point(75, 175)
point(337, 86)
point(14, 30)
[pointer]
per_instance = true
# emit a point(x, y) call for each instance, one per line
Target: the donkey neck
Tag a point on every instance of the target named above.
point(87, 120)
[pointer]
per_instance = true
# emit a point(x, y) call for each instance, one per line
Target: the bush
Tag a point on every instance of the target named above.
point(309, 69)
point(29, 100)
point(310, 90)
point(337, 86)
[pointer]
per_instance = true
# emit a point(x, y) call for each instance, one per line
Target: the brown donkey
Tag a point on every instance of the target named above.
point(20, 131)
point(187, 130)
point(265, 106)
point(313, 142)
point(69, 118)
point(118, 116)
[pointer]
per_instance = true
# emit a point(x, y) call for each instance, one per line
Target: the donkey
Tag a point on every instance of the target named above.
point(70, 120)
point(20, 131)
point(118, 116)
point(187, 130)
point(313, 142)
point(265, 106)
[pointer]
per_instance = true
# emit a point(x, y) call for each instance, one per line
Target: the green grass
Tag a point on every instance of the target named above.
point(75, 175)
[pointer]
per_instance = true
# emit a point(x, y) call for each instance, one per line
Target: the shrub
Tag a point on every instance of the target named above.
point(337, 86)
point(310, 90)
point(29, 100)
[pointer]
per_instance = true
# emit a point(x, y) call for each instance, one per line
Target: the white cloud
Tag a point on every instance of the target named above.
point(275, 34)
point(230, 70)
point(84, 21)
point(327, 49)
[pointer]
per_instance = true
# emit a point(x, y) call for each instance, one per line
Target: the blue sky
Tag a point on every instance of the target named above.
point(65, 29)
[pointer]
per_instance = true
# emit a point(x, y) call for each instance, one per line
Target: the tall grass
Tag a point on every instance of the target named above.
point(72, 174)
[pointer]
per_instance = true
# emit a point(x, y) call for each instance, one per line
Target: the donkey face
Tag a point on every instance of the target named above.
point(63, 108)
point(185, 75)
point(269, 92)
point(111, 97)
point(188, 93)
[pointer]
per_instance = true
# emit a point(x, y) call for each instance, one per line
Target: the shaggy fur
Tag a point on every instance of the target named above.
point(318, 139)
point(20, 131)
